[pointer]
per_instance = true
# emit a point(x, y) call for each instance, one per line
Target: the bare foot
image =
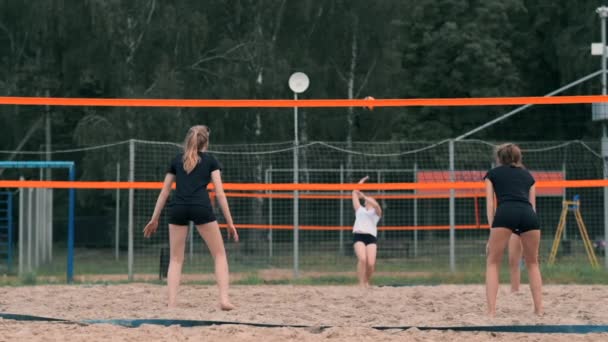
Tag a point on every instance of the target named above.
point(227, 306)
point(539, 313)
point(491, 313)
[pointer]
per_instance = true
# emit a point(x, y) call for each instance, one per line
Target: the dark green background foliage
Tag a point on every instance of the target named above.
point(248, 49)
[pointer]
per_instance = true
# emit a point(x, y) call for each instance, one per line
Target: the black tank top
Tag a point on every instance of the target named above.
point(191, 188)
point(511, 183)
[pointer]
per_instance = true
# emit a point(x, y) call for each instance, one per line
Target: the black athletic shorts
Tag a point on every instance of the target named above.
point(182, 214)
point(517, 216)
point(367, 239)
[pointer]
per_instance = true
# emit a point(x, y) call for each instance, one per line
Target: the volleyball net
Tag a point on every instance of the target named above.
point(431, 192)
point(118, 185)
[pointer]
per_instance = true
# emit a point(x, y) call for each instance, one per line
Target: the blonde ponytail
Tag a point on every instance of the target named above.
point(196, 140)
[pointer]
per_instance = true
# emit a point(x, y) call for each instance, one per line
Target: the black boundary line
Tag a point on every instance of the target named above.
point(134, 323)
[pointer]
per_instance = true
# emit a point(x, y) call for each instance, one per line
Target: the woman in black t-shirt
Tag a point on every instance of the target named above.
point(515, 194)
point(192, 171)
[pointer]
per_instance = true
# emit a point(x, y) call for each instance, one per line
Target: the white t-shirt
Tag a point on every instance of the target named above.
point(366, 221)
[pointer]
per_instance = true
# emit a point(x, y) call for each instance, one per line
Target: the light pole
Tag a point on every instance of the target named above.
point(298, 83)
point(603, 13)
point(600, 113)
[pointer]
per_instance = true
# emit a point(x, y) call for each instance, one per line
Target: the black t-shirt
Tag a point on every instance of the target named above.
point(511, 183)
point(191, 189)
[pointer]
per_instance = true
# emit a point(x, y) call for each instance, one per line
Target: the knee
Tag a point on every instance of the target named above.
point(177, 259)
point(220, 253)
point(514, 262)
point(493, 260)
point(371, 265)
point(362, 261)
point(531, 260)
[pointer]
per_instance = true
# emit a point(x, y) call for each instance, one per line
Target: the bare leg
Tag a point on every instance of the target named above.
point(177, 243)
point(213, 238)
point(515, 253)
point(499, 238)
point(361, 253)
point(531, 241)
point(370, 262)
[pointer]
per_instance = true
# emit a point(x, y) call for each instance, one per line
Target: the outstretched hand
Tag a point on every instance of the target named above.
point(150, 228)
point(362, 180)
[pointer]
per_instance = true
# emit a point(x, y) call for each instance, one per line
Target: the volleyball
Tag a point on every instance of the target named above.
point(369, 98)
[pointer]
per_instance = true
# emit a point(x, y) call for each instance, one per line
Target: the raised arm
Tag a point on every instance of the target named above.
point(356, 201)
point(358, 195)
point(489, 201)
point(160, 204)
point(216, 178)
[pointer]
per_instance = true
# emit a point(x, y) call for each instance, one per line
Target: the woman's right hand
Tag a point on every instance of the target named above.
point(150, 228)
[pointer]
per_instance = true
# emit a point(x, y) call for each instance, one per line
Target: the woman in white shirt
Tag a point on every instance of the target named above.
point(365, 231)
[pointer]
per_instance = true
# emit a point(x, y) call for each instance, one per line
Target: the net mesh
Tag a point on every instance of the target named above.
point(413, 234)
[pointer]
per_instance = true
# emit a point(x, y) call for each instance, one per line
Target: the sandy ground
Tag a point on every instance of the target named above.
point(349, 310)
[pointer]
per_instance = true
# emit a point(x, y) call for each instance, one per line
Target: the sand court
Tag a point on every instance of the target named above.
point(350, 312)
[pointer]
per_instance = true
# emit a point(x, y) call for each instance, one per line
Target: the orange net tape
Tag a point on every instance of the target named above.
point(589, 183)
point(121, 102)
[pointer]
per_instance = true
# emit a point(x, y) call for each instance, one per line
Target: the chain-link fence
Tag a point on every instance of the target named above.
point(417, 232)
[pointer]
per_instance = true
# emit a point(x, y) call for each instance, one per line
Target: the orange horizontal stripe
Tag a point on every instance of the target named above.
point(591, 183)
point(347, 197)
point(337, 228)
point(122, 102)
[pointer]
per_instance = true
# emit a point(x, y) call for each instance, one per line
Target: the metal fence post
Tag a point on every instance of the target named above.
point(131, 204)
point(341, 248)
point(452, 211)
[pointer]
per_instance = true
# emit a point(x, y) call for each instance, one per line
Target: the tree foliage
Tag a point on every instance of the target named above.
point(248, 49)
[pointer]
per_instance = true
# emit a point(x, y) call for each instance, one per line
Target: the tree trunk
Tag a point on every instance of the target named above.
point(351, 112)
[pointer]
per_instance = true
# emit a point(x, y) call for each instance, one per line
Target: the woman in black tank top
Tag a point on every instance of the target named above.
point(513, 188)
point(192, 171)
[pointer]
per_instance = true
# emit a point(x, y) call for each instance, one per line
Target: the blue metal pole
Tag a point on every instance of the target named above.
point(72, 200)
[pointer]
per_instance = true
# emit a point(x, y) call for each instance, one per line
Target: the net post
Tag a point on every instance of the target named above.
point(71, 205)
point(415, 212)
point(379, 180)
point(564, 237)
point(268, 179)
point(45, 236)
point(29, 229)
point(37, 230)
point(45, 225)
point(117, 217)
point(10, 231)
point(452, 210)
point(130, 214)
point(21, 226)
point(341, 210)
point(50, 208)
point(605, 157)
